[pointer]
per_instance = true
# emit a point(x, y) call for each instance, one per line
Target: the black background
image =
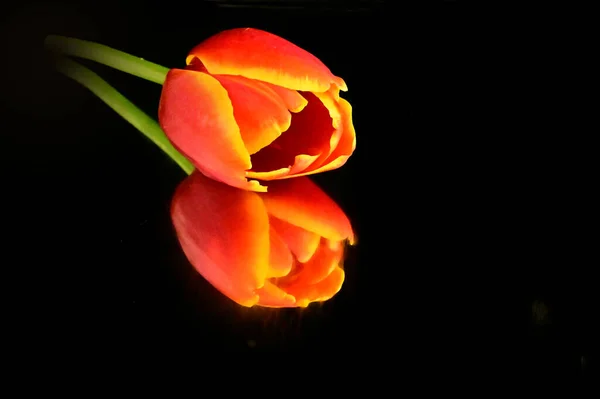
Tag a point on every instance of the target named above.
point(470, 189)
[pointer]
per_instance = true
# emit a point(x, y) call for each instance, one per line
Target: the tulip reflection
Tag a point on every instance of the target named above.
point(283, 248)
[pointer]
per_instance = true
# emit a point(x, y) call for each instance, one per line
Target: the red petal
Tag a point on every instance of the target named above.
point(345, 146)
point(224, 233)
point(331, 103)
point(260, 55)
point(307, 138)
point(302, 203)
point(197, 116)
point(259, 111)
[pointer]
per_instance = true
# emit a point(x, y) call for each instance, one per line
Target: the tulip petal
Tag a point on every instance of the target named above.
point(341, 146)
point(291, 98)
point(345, 147)
point(280, 259)
point(197, 116)
point(309, 135)
point(302, 243)
point(322, 291)
point(259, 111)
point(224, 233)
point(325, 259)
point(331, 103)
point(272, 296)
point(347, 143)
point(333, 107)
point(260, 55)
point(302, 203)
point(301, 162)
point(271, 175)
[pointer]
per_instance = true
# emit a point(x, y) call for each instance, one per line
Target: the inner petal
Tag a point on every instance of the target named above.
point(301, 242)
point(321, 265)
point(309, 133)
point(321, 291)
point(293, 100)
point(272, 296)
point(259, 111)
point(280, 257)
point(345, 146)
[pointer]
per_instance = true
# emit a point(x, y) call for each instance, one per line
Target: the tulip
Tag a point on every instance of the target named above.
point(252, 106)
point(283, 248)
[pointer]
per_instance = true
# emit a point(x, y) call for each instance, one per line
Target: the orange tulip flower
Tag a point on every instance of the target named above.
point(283, 248)
point(252, 106)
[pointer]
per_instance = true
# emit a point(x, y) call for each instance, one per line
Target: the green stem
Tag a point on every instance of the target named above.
point(121, 105)
point(107, 56)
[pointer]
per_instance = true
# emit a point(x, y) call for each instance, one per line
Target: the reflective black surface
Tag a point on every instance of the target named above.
point(471, 191)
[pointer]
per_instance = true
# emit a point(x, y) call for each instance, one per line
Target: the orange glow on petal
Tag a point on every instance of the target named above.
point(197, 116)
point(339, 82)
point(322, 291)
point(261, 55)
point(224, 232)
point(328, 165)
point(302, 203)
point(272, 296)
point(280, 259)
point(302, 243)
point(271, 175)
point(321, 264)
point(259, 112)
point(347, 143)
point(301, 162)
point(293, 100)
